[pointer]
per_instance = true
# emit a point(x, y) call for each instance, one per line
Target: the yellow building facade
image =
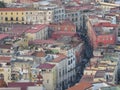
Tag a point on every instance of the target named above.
point(6, 73)
point(12, 15)
point(108, 6)
point(25, 16)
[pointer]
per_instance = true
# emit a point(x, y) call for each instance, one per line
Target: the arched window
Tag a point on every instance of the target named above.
point(6, 18)
point(16, 18)
point(1, 76)
point(11, 19)
point(100, 44)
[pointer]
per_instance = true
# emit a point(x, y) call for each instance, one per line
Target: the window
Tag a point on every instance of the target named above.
point(16, 18)
point(68, 62)
point(1, 13)
point(22, 18)
point(43, 70)
point(76, 14)
point(73, 15)
point(6, 13)
point(22, 13)
point(59, 73)
point(63, 71)
point(11, 13)
point(11, 19)
point(76, 19)
point(71, 60)
point(17, 13)
point(6, 18)
point(72, 19)
point(47, 81)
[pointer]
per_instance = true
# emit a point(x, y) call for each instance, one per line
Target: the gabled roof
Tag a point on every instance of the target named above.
point(39, 54)
point(5, 46)
point(12, 9)
point(100, 74)
point(36, 28)
point(87, 78)
point(22, 85)
point(46, 66)
point(2, 36)
point(59, 58)
point(5, 59)
point(38, 41)
point(105, 24)
point(81, 86)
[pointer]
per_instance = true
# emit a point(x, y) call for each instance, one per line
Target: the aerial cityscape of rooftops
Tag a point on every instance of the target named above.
point(59, 44)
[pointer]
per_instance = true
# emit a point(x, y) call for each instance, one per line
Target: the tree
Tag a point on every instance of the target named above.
point(2, 4)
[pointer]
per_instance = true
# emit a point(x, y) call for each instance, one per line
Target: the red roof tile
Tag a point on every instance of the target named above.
point(2, 36)
point(84, 7)
point(36, 28)
point(46, 66)
point(59, 34)
point(106, 24)
point(39, 54)
point(100, 74)
point(38, 41)
point(5, 59)
point(59, 58)
point(81, 86)
point(23, 85)
point(87, 78)
point(12, 9)
point(18, 30)
point(5, 46)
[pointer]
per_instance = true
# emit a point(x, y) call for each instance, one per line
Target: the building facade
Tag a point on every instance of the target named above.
point(12, 15)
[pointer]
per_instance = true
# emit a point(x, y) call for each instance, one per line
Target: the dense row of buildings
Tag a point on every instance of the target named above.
point(40, 46)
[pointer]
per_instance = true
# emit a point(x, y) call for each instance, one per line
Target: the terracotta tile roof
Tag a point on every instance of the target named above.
point(5, 46)
point(59, 58)
point(18, 30)
point(87, 78)
point(59, 34)
point(2, 36)
point(36, 28)
point(23, 85)
point(39, 54)
point(81, 86)
point(38, 41)
point(12, 9)
point(66, 25)
point(106, 24)
point(84, 7)
point(100, 74)
point(46, 66)
point(5, 59)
